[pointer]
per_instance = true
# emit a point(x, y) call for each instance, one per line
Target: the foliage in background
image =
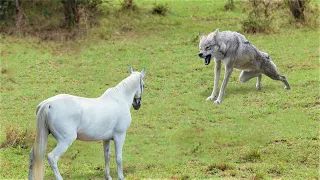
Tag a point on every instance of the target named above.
point(229, 6)
point(17, 138)
point(35, 15)
point(128, 5)
point(160, 9)
point(303, 12)
point(261, 16)
point(297, 8)
point(270, 134)
point(7, 12)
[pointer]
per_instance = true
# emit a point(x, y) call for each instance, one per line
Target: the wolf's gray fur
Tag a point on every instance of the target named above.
point(235, 51)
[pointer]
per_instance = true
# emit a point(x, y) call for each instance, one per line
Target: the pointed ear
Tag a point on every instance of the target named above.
point(143, 72)
point(130, 70)
point(211, 35)
point(201, 35)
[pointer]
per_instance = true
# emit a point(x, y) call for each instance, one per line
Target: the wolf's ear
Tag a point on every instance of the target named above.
point(211, 35)
point(130, 70)
point(201, 35)
point(143, 72)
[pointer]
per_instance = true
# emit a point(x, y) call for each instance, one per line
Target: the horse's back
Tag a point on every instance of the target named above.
point(90, 118)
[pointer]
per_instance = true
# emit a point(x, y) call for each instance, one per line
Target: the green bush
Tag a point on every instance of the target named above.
point(261, 16)
point(160, 9)
point(7, 11)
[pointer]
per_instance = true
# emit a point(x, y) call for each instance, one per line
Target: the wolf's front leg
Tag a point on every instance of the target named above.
point(217, 70)
point(227, 74)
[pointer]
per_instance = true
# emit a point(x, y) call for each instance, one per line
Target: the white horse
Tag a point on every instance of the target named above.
point(69, 117)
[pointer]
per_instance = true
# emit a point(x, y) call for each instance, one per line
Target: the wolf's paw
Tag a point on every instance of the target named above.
point(109, 178)
point(217, 102)
point(287, 87)
point(210, 98)
point(258, 88)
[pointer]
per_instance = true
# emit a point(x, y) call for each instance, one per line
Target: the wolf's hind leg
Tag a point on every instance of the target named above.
point(258, 85)
point(247, 75)
point(276, 76)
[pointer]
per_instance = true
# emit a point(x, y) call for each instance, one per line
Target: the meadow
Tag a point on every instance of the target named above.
point(176, 134)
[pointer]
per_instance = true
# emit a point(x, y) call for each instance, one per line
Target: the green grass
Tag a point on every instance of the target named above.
point(267, 134)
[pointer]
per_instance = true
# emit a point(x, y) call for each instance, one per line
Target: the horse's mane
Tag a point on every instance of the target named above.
point(125, 83)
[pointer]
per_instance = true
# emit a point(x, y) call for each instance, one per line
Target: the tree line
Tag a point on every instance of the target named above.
point(12, 12)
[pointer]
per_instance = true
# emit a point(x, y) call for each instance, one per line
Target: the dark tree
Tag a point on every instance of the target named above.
point(71, 15)
point(297, 8)
point(20, 21)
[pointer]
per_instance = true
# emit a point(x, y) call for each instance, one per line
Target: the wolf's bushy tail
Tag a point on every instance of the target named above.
point(40, 145)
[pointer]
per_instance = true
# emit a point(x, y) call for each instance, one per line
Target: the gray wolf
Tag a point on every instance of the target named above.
point(235, 51)
point(69, 118)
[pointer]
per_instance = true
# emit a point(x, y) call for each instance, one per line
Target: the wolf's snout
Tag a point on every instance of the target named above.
point(200, 55)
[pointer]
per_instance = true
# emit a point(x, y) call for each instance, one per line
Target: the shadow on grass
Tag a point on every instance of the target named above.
point(243, 90)
point(100, 173)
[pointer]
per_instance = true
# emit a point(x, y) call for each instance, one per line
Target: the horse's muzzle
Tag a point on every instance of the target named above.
point(136, 103)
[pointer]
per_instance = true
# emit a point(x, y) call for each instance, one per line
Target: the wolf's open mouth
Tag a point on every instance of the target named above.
point(207, 60)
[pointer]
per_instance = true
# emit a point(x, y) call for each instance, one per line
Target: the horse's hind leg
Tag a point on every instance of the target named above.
point(59, 150)
point(31, 156)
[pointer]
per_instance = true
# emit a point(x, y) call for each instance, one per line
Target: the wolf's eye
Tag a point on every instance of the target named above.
point(208, 48)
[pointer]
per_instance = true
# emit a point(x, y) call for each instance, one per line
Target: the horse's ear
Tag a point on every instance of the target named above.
point(143, 72)
point(130, 70)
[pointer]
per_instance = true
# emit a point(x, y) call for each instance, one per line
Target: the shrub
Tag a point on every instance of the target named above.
point(252, 156)
point(229, 6)
point(128, 5)
point(16, 138)
point(7, 12)
point(261, 16)
point(312, 15)
point(160, 9)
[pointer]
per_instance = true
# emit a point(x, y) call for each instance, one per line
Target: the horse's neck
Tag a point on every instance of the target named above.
point(125, 89)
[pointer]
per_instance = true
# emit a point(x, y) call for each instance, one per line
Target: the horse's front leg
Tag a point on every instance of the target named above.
point(119, 141)
point(106, 147)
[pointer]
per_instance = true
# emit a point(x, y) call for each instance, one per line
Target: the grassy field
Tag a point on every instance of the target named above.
point(177, 134)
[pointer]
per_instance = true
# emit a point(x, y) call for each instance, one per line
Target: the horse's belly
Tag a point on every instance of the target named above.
point(94, 136)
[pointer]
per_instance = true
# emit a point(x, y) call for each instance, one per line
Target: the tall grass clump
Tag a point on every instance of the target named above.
point(17, 138)
point(160, 9)
point(229, 6)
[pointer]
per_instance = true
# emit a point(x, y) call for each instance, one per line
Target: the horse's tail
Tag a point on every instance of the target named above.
point(41, 140)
